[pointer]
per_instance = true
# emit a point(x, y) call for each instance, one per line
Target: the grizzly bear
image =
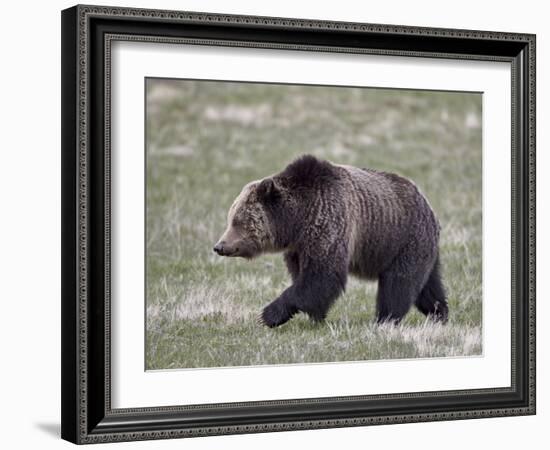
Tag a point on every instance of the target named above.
point(331, 220)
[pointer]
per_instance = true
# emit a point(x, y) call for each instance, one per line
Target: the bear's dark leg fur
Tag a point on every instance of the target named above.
point(292, 264)
point(432, 299)
point(279, 311)
point(396, 294)
point(399, 285)
point(313, 291)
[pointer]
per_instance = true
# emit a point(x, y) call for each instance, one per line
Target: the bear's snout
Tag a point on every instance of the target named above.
point(218, 248)
point(223, 248)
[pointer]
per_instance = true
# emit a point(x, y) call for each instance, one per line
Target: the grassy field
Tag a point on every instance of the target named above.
point(205, 140)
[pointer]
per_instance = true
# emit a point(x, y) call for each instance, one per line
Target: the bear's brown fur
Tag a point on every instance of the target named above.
point(331, 220)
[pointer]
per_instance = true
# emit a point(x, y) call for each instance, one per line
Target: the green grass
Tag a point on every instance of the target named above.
point(205, 140)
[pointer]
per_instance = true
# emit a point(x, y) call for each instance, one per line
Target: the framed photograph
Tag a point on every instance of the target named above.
point(279, 224)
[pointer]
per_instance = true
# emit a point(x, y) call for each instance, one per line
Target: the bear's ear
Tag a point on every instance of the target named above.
point(267, 190)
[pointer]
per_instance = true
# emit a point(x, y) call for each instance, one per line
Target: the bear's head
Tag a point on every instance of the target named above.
point(270, 215)
point(250, 221)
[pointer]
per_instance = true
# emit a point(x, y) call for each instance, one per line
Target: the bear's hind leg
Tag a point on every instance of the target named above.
point(400, 285)
point(396, 294)
point(432, 299)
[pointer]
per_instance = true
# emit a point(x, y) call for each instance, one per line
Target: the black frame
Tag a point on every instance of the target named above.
point(87, 31)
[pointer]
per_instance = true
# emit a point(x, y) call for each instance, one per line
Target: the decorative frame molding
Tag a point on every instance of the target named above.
point(87, 34)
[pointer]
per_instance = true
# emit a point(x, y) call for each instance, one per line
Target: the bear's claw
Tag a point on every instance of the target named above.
point(259, 320)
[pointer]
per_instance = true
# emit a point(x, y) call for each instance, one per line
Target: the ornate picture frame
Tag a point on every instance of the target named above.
point(88, 33)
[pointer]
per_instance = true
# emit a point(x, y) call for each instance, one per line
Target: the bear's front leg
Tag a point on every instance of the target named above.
point(278, 312)
point(312, 292)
